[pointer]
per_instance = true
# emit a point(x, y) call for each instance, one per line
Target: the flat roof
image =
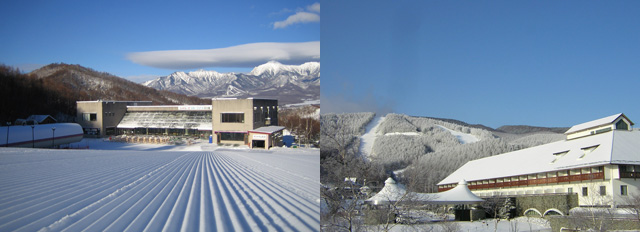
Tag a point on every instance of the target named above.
point(233, 98)
point(267, 129)
point(109, 101)
point(175, 107)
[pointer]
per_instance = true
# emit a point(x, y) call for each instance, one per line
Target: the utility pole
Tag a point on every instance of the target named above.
point(32, 137)
point(53, 142)
point(8, 125)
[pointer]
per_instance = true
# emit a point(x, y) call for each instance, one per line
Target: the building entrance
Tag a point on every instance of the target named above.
point(258, 143)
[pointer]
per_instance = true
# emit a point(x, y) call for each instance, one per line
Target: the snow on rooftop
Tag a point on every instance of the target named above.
point(268, 129)
point(458, 195)
point(541, 158)
point(393, 192)
point(594, 123)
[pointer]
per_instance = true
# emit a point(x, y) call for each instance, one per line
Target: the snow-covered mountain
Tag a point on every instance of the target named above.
point(287, 83)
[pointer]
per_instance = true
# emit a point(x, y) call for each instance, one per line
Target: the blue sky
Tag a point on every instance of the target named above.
point(541, 63)
point(111, 36)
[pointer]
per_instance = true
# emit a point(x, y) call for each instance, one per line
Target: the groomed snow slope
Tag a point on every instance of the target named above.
point(462, 137)
point(369, 136)
point(220, 190)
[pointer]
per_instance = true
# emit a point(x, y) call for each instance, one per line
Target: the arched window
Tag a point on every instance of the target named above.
point(553, 212)
point(531, 212)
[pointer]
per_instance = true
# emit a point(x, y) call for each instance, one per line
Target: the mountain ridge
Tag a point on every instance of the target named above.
point(55, 88)
point(287, 83)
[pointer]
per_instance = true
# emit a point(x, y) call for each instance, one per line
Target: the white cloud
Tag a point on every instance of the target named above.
point(314, 7)
point(309, 16)
point(245, 55)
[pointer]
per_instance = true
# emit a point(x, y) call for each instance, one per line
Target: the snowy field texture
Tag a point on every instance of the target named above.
point(121, 189)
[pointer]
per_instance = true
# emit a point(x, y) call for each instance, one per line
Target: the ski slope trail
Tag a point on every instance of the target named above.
point(221, 190)
point(369, 136)
point(463, 138)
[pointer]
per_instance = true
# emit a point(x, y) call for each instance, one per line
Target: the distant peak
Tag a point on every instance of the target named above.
point(274, 67)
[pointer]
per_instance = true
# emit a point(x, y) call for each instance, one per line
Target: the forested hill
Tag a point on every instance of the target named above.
point(521, 129)
point(424, 150)
point(55, 88)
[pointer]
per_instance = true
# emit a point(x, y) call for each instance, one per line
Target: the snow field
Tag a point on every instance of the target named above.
point(221, 190)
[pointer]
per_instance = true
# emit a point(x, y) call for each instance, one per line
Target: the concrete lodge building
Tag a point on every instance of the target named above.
point(597, 165)
point(252, 122)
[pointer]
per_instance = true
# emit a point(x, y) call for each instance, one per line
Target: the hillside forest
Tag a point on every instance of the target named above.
point(55, 88)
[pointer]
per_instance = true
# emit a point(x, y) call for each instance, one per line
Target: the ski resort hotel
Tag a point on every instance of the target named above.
point(597, 165)
point(253, 122)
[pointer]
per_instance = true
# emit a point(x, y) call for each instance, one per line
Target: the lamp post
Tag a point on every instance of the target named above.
point(8, 125)
point(53, 142)
point(32, 137)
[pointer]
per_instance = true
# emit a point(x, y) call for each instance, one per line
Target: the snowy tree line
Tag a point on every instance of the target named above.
point(300, 121)
point(398, 151)
point(339, 153)
point(343, 127)
point(425, 173)
point(403, 123)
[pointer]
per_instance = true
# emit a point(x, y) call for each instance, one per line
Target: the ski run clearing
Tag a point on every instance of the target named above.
point(462, 137)
point(221, 189)
point(369, 136)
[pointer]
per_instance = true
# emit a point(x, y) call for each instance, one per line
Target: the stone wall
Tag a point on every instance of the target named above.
point(542, 203)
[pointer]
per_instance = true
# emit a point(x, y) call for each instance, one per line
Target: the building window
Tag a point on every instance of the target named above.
point(621, 125)
point(585, 191)
point(603, 190)
point(90, 116)
point(232, 136)
point(232, 117)
point(570, 190)
point(623, 190)
point(587, 150)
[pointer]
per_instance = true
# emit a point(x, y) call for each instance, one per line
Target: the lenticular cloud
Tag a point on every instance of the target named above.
point(246, 55)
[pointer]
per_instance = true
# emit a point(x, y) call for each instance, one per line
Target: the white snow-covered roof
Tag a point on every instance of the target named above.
point(393, 192)
point(268, 129)
point(40, 118)
point(595, 123)
point(458, 195)
point(614, 147)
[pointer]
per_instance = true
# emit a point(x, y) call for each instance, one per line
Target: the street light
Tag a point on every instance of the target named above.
point(8, 125)
point(53, 142)
point(32, 137)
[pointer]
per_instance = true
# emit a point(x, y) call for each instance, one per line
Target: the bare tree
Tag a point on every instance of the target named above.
point(632, 205)
point(595, 212)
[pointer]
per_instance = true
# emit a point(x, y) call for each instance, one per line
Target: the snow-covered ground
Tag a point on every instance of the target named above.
point(462, 137)
point(489, 225)
point(369, 136)
point(136, 187)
